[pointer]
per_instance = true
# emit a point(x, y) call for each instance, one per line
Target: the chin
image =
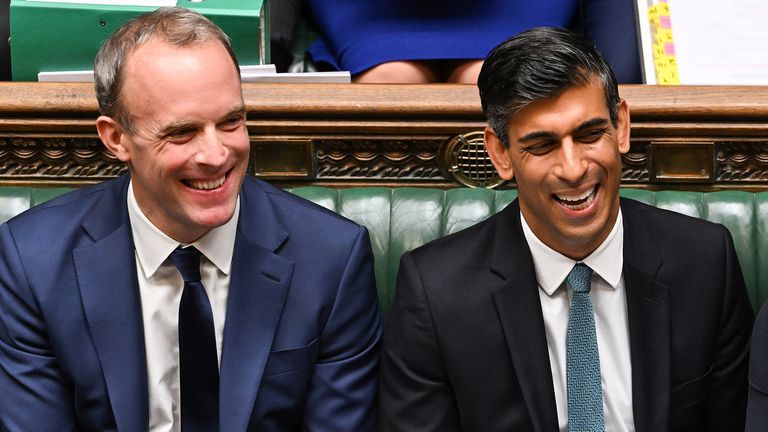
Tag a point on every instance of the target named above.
point(217, 218)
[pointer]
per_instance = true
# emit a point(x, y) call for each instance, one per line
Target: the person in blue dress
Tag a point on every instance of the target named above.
point(423, 41)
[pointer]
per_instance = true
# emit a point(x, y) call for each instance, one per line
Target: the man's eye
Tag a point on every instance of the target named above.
point(539, 148)
point(180, 136)
point(591, 136)
point(232, 123)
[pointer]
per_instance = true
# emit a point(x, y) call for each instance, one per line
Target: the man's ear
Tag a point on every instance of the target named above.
point(113, 136)
point(622, 127)
point(498, 154)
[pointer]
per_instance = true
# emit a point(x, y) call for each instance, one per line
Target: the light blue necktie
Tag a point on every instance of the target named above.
point(585, 393)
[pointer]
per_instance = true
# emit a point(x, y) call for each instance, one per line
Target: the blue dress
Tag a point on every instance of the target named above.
point(360, 34)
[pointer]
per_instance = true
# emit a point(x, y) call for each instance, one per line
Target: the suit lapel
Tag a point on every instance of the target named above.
point(258, 288)
point(519, 309)
point(106, 273)
point(648, 311)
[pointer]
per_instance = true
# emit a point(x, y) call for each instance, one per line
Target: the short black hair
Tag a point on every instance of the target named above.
point(540, 64)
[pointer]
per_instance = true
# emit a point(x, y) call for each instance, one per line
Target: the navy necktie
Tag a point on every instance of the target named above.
point(198, 361)
point(585, 392)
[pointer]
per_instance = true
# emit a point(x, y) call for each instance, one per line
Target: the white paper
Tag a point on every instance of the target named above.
point(264, 69)
point(248, 73)
point(66, 76)
point(716, 42)
point(645, 39)
point(720, 42)
point(342, 77)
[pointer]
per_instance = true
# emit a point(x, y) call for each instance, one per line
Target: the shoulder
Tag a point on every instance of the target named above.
point(470, 245)
point(284, 201)
point(67, 210)
point(760, 345)
point(667, 223)
point(295, 214)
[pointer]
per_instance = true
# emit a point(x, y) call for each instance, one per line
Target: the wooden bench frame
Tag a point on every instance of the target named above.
point(683, 137)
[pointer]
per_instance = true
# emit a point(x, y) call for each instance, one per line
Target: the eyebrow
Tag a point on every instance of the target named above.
point(593, 122)
point(176, 126)
point(238, 110)
point(596, 121)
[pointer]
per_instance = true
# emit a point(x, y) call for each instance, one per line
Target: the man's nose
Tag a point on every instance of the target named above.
point(572, 165)
point(211, 150)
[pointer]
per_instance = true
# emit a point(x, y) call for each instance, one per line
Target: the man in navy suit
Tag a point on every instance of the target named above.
point(757, 407)
point(480, 333)
point(90, 300)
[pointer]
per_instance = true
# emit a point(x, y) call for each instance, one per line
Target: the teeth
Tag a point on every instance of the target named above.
point(583, 196)
point(578, 202)
point(205, 184)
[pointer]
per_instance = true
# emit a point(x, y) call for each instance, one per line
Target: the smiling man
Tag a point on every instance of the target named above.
point(571, 309)
point(183, 296)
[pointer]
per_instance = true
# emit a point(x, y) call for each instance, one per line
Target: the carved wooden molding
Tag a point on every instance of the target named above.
point(742, 161)
point(383, 158)
point(682, 137)
point(56, 159)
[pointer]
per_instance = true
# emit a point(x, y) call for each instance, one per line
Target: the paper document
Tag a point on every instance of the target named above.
point(248, 73)
point(709, 42)
point(66, 76)
point(342, 77)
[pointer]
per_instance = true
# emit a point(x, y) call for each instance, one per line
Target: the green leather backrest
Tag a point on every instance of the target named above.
point(745, 214)
point(400, 219)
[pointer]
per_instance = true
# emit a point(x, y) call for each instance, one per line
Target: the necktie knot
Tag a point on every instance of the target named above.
point(580, 278)
point(187, 261)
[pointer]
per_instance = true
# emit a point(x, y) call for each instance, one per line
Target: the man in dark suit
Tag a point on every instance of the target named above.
point(99, 330)
point(571, 309)
point(757, 407)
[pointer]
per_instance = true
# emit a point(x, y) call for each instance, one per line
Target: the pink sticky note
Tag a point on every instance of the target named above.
point(665, 22)
point(669, 49)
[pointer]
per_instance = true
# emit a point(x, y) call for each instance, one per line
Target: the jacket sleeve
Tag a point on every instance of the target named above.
point(34, 392)
point(757, 407)
point(415, 392)
point(727, 404)
point(343, 390)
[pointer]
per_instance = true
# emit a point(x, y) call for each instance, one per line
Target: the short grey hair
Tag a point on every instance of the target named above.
point(179, 27)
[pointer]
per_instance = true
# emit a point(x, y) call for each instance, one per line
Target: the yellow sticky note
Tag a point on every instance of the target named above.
point(663, 48)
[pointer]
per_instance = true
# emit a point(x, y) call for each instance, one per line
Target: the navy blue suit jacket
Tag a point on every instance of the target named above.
point(757, 409)
point(301, 337)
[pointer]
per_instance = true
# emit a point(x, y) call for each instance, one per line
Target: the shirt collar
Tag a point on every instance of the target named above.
point(553, 267)
point(153, 246)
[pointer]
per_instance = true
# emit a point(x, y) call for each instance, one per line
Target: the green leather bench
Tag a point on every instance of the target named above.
point(400, 219)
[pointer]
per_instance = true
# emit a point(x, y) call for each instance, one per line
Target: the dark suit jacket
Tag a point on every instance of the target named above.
point(465, 346)
point(757, 409)
point(301, 337)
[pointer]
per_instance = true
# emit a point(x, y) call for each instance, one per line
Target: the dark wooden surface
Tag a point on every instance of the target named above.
point(685, 137)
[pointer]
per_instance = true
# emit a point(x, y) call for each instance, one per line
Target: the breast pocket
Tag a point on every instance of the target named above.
point(290, 360)
point(690, 392)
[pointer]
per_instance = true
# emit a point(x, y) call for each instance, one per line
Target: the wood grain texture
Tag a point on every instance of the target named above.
point(369, 134)
point(397, 101)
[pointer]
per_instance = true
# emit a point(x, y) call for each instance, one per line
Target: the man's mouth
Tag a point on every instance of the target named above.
point(205, 184)
point(577, 202)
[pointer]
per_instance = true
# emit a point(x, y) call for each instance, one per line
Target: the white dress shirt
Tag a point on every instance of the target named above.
point(610, 304)
point(160, 287)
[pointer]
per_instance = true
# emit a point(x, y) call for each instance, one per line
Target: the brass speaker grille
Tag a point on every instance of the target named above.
point(463, 158)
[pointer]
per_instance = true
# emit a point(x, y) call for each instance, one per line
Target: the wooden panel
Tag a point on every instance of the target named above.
point(365, 134)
